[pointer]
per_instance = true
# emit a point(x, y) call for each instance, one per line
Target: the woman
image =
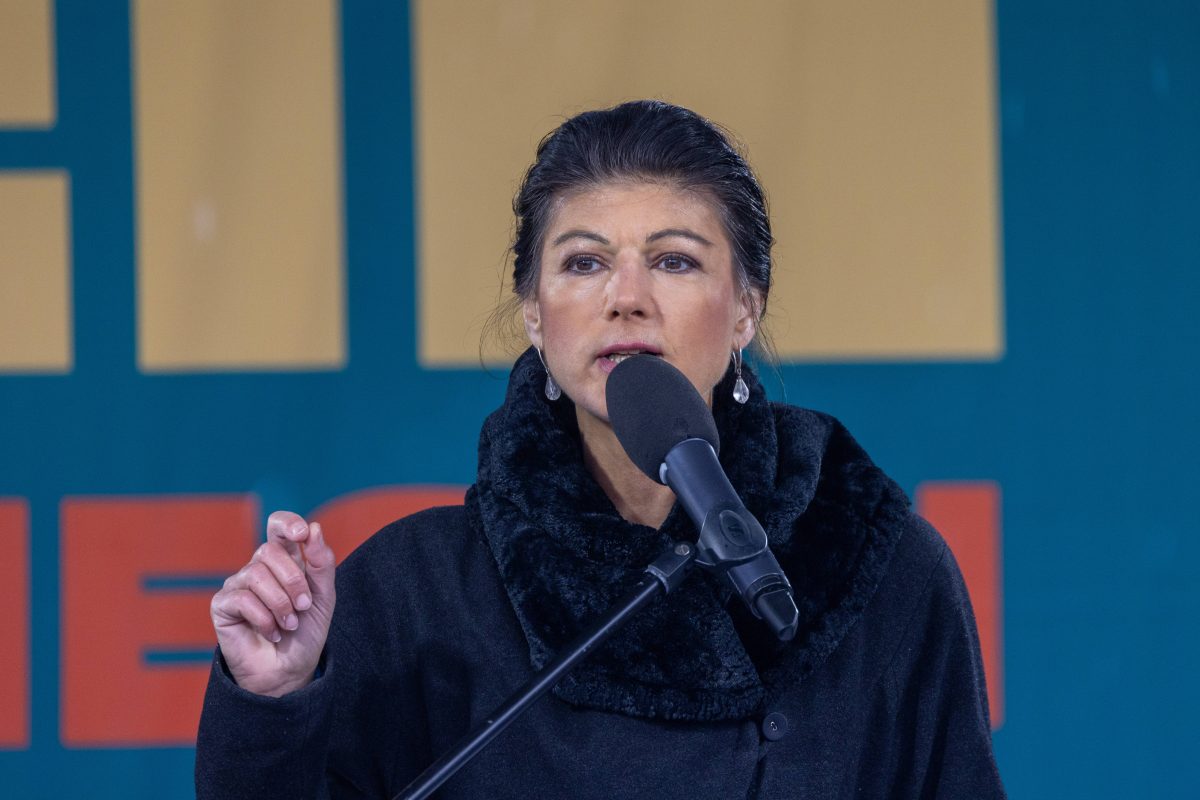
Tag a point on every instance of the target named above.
point(639, 229)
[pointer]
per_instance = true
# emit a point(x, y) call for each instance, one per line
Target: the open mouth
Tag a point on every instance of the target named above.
point(617, 355)
point(617, 358)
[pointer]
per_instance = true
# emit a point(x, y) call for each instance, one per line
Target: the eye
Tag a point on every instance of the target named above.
point(675, 262)
point(583, 264)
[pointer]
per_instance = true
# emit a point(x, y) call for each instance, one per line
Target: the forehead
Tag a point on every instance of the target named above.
point(632, 207)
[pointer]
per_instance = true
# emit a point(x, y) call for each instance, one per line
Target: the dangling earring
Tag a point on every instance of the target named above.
point(741, 392)
point(552, 390)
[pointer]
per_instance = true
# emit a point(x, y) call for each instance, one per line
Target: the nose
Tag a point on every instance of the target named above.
point(627, 293)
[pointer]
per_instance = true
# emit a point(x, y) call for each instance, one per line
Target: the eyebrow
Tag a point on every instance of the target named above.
point(684, 232)
point(579, 233)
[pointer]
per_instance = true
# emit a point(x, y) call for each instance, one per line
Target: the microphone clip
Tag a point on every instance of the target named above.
point(731, 542)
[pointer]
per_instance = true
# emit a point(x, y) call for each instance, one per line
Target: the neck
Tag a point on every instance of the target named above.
point(636, 497)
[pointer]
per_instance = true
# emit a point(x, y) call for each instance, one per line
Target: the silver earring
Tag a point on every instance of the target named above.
point(741, 392)
point(552, 390)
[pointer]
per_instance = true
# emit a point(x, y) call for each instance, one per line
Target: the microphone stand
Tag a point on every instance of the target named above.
point(665, 574)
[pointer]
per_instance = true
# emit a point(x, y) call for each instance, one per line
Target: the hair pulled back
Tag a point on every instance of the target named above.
point(644, 140)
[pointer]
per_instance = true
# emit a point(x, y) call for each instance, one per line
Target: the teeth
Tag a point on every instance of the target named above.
point(617, 358)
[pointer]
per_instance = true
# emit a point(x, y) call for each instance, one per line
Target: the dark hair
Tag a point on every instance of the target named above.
point(644, 140)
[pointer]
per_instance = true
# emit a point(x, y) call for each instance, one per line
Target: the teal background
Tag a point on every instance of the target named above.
point(1088, 423)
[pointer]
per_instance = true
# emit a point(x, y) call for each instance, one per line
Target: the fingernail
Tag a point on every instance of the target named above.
point(298, 528)
point(303, 602)
point(290, 622)
point(276, 637)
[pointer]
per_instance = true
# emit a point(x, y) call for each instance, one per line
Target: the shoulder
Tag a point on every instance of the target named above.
point(444, 519)
point(927, 601)
point(429, 547)
point(922, 563)
point(932, 561)
point(411, 582)
point(923, 576)
point(426, 531)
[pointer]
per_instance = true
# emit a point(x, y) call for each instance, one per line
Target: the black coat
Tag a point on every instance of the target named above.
point(441, 615)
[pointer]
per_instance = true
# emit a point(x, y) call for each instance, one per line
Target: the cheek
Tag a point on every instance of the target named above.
point(717, 318)
point(709, 342)
point(552, 323)
point(568, 309)
point(560, 335)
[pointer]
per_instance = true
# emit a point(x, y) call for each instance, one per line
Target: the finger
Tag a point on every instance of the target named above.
point(259, 579)
point(231, 608)
point(322, 564)
point(287, 572)
point(288, 528)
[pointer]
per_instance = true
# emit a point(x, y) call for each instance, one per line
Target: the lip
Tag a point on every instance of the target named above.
point(607, 366)
point(622, 347)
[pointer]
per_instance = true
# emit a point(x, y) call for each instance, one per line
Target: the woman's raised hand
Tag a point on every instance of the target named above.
point(272, 616)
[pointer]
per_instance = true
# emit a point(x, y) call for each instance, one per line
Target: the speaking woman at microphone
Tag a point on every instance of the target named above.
point(640, 229)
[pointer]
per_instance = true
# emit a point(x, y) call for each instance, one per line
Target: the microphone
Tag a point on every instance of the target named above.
point(668, 431)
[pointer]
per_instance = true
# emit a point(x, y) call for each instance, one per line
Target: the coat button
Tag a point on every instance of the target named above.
point(774, 726)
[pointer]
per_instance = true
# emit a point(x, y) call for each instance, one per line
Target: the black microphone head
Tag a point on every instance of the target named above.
point(652, 408)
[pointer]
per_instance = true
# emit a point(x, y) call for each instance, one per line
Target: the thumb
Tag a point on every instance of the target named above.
point(321, 567)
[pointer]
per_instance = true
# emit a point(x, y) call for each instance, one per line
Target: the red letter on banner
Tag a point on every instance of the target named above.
point(968, 515)
point(349, 520)
point(14, 623)
point(137, 577)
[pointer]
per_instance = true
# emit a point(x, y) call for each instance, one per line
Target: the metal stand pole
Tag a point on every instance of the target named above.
point(663, 575)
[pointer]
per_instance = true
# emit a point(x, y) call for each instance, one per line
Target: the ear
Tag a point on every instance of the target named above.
point(747, 322)
point(532, 314)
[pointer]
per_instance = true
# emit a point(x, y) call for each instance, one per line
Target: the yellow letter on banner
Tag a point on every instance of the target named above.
point(27, 96)
point(239, 194)
point(35, 272)
point(871, 124)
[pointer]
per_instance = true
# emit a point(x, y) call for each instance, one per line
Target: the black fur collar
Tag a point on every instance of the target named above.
point(565, 555)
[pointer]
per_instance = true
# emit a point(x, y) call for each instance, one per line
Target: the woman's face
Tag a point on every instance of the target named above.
point(632, 267)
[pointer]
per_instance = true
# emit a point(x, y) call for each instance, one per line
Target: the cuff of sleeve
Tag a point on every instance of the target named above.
point(251, 745)
point(227, 677)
